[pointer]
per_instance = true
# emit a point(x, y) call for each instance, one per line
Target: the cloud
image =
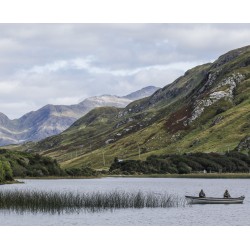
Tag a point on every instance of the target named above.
point(87, 64)
point(64, 63)
point(7, 87)
point(13, 108)
point(9, 45)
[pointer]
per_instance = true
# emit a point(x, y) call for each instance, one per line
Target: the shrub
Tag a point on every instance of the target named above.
point(183, 168)
point(81, 171)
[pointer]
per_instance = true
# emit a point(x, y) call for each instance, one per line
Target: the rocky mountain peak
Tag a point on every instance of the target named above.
point(142, 93)
point(3, 116)
point(4, 120)
point(231, 55)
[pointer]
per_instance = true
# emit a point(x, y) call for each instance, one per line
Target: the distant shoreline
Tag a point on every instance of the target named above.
point(193, 176)
point(189, 176)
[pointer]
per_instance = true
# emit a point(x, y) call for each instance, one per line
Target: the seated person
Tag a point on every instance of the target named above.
point(226, 194)
point(202, 194)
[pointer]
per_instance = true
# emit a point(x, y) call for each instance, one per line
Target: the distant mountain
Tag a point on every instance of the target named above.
point(142, 93)
point(205, 110)
point(53, 119)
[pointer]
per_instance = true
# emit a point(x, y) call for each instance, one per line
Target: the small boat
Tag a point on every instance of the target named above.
point(213, 200)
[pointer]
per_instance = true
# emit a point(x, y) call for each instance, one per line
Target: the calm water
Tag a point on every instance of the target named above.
point(190, 215)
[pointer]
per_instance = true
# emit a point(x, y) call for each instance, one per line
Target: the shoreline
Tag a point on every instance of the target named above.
point(58, 177)
point(12, 182)
point(192, 176)
point(189, 176)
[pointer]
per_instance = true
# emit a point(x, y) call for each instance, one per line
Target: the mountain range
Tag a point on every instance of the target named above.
point(205, 110)
point(53, 119)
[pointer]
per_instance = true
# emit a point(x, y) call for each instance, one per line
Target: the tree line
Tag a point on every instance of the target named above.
point(230, 162)
point(22, 164)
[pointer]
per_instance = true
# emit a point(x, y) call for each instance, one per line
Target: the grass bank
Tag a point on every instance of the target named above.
point(193, 175)
point(59, 177)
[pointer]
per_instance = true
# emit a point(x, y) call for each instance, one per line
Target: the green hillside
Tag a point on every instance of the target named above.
point(205, 110)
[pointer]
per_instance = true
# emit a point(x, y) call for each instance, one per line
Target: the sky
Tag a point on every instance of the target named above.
point(65, 63)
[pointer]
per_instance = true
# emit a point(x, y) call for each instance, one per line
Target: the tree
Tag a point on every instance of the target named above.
point(2, 173)
point(8, 171)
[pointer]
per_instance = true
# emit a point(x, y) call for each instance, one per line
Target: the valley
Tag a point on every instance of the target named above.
point(205, 110)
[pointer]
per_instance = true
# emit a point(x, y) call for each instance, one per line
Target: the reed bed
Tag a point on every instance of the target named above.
point(56, 202)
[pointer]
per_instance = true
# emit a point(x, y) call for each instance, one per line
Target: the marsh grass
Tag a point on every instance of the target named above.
point(56, 202)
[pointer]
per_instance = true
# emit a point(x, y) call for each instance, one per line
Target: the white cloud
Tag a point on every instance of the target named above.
point(88, 65)
point(9, 45)
point(16, 109)
point(7, 87)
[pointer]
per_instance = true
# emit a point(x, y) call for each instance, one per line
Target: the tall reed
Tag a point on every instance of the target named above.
point(58, 202)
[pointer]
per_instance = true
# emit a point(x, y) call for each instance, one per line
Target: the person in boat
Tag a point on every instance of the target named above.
point(226, 194)
point(202, 194)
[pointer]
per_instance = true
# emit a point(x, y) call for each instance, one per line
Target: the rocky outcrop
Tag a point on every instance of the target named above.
point(228, 85)
point(244, 144)
point(217, 120)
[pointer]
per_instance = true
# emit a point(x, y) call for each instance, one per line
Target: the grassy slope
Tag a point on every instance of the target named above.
point(219, 138)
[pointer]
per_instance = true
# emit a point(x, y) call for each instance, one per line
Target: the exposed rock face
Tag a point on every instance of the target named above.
point(217, 120)
point(53, 119)
point(229, 84)
point(244, 144)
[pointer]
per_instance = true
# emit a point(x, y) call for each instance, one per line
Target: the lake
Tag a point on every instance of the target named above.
point(195, 215)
